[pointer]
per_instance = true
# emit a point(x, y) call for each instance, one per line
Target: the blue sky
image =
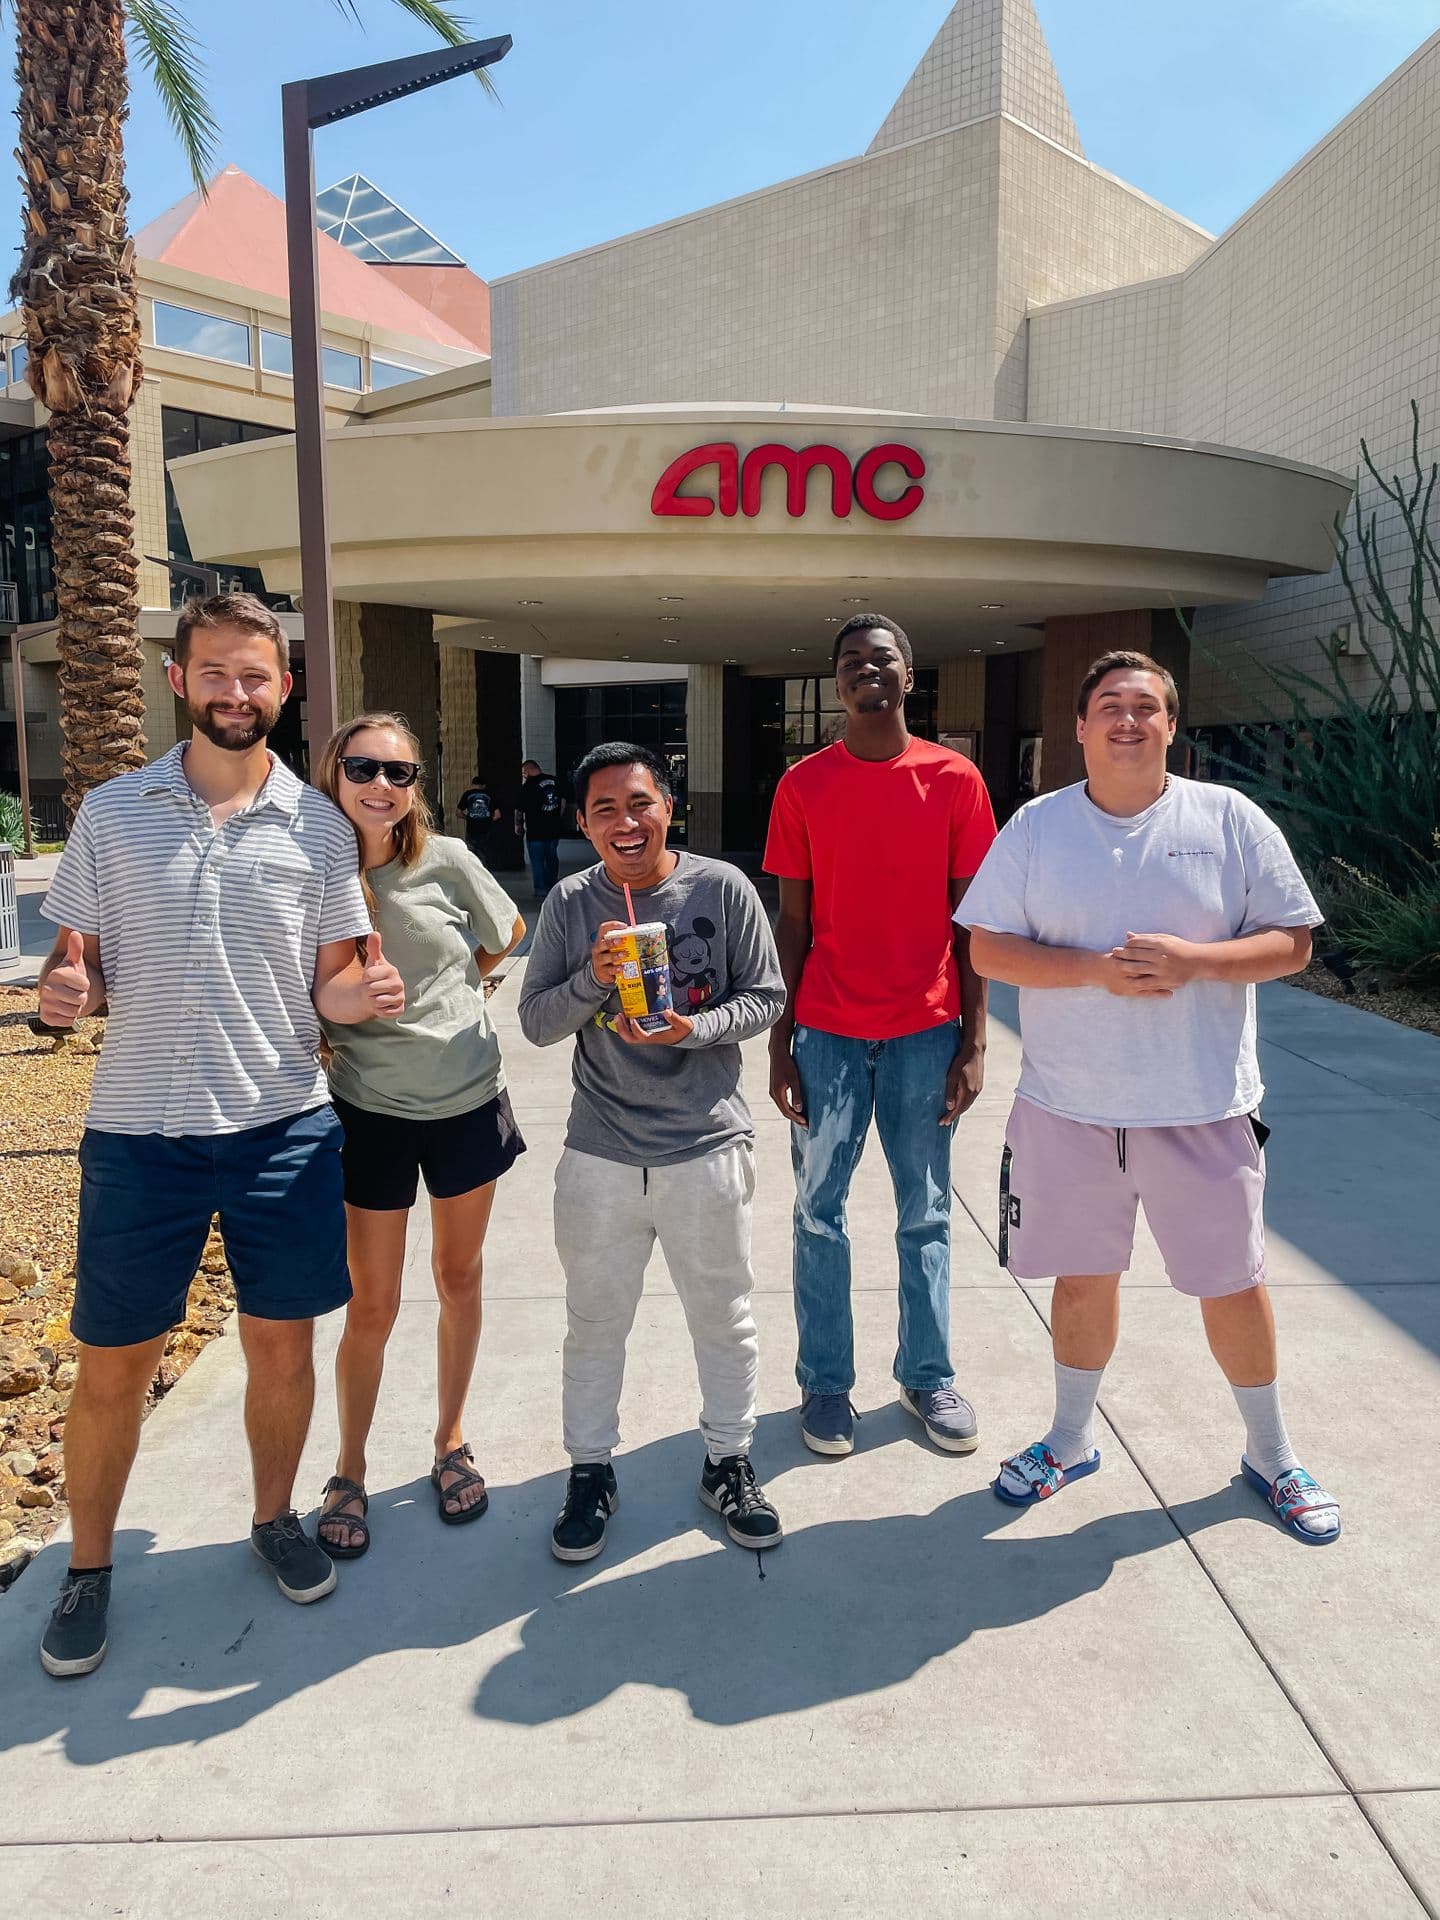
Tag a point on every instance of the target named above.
point(619, 113)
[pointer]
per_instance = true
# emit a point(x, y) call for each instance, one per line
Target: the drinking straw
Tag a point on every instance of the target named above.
point(629, 904)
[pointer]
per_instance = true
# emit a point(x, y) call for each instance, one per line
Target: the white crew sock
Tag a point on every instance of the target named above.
point(1267, 1444)
point(1072, 1437)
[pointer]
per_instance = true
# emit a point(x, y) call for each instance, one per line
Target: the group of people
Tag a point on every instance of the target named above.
point(294, 978)
point(538, 821)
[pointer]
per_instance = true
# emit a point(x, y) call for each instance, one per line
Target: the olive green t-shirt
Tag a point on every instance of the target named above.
point(441, 1057)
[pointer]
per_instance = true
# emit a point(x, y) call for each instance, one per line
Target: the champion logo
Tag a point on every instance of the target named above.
point(1194, 853)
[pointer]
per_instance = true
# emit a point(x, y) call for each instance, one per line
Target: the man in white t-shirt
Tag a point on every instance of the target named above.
point(1136, 911)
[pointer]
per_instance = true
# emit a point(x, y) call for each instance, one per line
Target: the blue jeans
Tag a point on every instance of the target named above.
point(544, 864)
point(902, 1083)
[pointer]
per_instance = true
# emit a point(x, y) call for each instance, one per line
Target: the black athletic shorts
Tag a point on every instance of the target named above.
point(384, 1155)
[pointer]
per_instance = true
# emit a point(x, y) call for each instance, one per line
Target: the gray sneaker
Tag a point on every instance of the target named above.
point(75, 1639)
point(947, 1417)
point(827, 1423)
point(303, 1570)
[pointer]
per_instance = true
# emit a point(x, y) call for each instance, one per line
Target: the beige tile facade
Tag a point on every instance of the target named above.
point(989, 57)
point(1308, 326)
point(1068, 229)
point(1109, 360)
point(898, 281)
point(459, 746)
point(1315, 322)
point(704, 735)
point(147, 492)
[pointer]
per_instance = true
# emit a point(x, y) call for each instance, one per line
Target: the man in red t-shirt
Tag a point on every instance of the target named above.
point(874, 841)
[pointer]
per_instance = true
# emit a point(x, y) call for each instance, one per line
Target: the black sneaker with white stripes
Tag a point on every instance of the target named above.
point(591, 1495)
point(729, 1488)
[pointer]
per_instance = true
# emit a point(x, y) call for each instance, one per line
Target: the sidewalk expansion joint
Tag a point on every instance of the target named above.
point(752, 1817)
point(1352, 1792)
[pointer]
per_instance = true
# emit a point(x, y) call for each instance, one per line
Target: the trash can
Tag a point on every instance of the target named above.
point(9, 905)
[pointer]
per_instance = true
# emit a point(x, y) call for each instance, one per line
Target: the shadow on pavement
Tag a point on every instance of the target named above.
point(202, 1643)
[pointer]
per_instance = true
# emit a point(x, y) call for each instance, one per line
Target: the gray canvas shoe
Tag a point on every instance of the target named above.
point(75, 1639)
point(303, 1571)
point(947, 1417)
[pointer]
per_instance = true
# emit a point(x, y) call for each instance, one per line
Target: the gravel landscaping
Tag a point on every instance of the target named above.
point(1417, 1007)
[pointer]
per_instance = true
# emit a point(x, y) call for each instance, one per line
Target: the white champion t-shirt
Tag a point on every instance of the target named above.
point(1203, 863)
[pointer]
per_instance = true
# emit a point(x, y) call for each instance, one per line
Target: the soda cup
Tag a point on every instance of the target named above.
point(644, 980)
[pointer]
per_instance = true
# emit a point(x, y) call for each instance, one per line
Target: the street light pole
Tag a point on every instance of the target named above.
point(306, 105)
point(22, 752)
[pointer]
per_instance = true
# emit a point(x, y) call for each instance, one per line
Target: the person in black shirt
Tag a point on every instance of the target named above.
point(540, 817)
point(479, 810)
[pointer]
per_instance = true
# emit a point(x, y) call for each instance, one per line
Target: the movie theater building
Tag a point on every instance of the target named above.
point(966, 378)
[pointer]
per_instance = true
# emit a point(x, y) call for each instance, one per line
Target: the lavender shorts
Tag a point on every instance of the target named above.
point(1068, 1194)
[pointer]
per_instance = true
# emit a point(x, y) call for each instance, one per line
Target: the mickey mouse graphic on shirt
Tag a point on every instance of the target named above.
point(692, 976)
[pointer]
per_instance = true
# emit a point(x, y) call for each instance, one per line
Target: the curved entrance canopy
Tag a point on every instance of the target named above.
point(740, 533)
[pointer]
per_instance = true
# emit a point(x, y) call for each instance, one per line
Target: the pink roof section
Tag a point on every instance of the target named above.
point(238, 235)
point(454, 294)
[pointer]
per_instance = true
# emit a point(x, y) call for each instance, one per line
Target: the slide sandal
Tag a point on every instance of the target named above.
point(1292, 1496)
point(1042, 1473)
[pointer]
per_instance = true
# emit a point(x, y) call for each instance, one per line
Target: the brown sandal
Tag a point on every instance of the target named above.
point(460, 1460)
point(337, 1483)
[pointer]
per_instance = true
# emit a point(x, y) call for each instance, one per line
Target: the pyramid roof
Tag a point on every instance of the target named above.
point(367, 222)
point(237, 234)
point(989, 57)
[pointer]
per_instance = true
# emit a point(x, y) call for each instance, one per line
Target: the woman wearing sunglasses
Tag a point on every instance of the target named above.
point(421, 1094)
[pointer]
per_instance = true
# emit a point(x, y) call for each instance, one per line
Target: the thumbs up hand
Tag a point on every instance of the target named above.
point(382, 989)
point(65, 989)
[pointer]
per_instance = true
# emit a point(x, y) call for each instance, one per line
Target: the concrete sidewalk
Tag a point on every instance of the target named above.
point(37, 935)
point(1142, 1697)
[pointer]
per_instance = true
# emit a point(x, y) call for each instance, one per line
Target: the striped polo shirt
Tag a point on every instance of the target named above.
point(208, 937)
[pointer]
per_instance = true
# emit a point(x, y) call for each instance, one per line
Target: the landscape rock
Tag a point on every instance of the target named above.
point(19, 1465)
point(33, 1496)
point(20, 1371)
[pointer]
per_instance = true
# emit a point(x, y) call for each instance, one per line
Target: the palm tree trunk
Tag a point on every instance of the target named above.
point(77, 284)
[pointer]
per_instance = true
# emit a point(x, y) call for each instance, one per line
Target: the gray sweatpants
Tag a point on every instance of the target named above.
point(607, 1220)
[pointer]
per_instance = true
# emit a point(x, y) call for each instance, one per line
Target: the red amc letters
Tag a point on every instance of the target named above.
point(738, 484)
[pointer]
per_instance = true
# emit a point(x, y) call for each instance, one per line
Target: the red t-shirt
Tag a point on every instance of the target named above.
point(880, 842)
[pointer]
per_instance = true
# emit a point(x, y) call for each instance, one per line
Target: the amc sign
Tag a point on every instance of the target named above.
point(737, 486)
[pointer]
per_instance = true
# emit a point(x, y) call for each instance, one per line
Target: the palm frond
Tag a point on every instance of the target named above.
point(168, 50)
point(447, 25)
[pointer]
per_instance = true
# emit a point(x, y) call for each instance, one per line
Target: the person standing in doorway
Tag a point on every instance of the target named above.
point(478, 810)
point(212, 903)
point(874, 840)
point(540, 819)
point(421, 1095)
point(1136, 911)
point(660, 1144)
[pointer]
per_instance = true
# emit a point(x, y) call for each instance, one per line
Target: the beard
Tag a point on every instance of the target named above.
point(235, 734)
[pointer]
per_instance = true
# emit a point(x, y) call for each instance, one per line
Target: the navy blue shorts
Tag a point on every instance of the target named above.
point(145, 1208)
point(386, 1154)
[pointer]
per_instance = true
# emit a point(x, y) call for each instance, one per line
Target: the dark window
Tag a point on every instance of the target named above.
point(650, 713)
point(814, 717)
point(25, 523)
point(182, 433)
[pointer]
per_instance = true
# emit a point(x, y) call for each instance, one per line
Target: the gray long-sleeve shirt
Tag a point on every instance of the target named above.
point(654, 1106)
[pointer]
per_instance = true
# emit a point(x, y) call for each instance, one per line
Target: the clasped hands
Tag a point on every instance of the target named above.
point(1150, 966)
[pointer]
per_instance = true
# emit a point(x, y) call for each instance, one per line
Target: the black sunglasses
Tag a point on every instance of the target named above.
point(360, 770)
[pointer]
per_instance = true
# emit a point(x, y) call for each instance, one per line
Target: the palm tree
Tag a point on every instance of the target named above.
point(76, 284)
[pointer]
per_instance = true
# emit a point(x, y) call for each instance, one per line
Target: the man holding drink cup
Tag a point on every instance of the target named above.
point(660, 1140)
